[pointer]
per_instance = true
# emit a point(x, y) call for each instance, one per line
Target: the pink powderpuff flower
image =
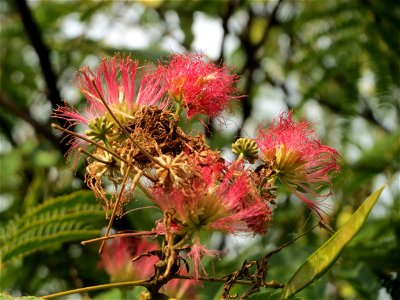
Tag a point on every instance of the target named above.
point(201, 87)
point(180, 289)
point(218, 200)
point(116, 81)
point(117, 261)
point(117, 256)
point(298, 159)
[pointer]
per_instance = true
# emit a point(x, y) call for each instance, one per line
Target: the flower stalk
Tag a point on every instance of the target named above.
point(117, 203)
point(80, 136)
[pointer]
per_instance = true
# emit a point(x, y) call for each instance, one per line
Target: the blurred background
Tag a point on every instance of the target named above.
point(335, 63)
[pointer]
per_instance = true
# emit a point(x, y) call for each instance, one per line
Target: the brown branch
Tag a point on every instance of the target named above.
point(272, 21)
point(270, 284)
point(42, 51)
point(6, 129)
point(53, 93)
point(22, 113)
point(40, 129)
point(257, 279)
point(252, 62)
point(225, 16)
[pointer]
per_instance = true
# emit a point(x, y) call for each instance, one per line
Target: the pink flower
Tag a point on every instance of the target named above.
point(180, 288)
point(116, 81)
point(117, 259)
point(196, 253)
point(297, 158)
point(201, 87)
point(219, 200)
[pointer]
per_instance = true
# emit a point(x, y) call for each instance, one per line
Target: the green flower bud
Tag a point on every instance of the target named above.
point(99, 129)
point(246, 148)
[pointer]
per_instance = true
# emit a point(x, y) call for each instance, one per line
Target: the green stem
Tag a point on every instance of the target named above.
point(116, 205)
point(89, 141)
point(109, 163)
point(179, 109)
point(270, 284)
point(181, 242)
point(139, 208)
point(143, 283)
point(119, 235)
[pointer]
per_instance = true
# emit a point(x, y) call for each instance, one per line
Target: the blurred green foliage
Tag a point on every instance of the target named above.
point(335, 63)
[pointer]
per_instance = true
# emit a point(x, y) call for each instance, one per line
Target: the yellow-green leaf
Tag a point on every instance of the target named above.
point(321, 260)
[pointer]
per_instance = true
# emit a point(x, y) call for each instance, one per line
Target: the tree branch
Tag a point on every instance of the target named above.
point(252, 62)
point(53, 93)
point(22, 113)
point(42, 51)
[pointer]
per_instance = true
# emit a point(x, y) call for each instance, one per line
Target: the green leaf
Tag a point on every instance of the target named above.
point(270, 295)
point(321, 260)
point(63, 219)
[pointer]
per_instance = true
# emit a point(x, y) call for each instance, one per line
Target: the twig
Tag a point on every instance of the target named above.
point(119, 235)
point(117, 202)
point(42, 51)
point(55, 126)
point(143, 283)
point(23, 113)
point(146, 283)
point(109, 163)
point(252, 62)
point(257, 279)
point(290, 242)
point(139, 208)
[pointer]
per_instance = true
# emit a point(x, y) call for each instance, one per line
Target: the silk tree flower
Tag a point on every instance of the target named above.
point(218, 200)
point(180, 289)
point(200, 87)
point(117, 259)
point(296, 157)
point(116, 81)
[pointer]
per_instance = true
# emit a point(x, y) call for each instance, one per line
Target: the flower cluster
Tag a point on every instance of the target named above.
point(292, 153)
point(220, 198)
point(132, 140)
point(200, 87)
point(117, 257)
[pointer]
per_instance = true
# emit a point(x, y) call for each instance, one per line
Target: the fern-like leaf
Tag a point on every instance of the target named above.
point(63, 219)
